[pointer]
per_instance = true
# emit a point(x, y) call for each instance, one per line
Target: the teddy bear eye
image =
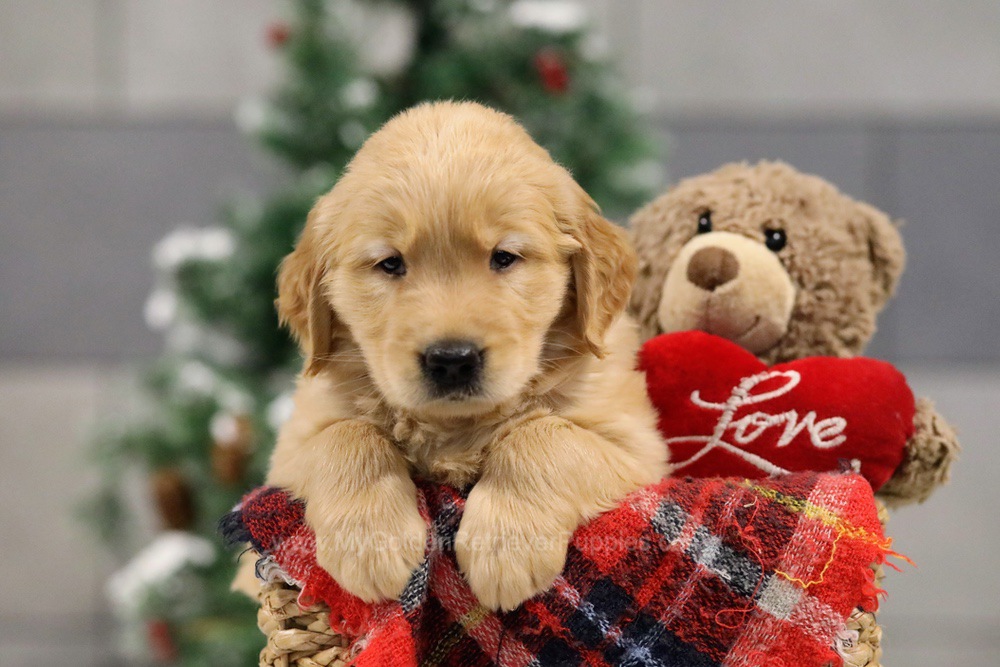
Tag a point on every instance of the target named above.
point(775, 239)
point(705, 222)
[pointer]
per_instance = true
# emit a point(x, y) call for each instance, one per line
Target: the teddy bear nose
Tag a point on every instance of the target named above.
point(712, 267)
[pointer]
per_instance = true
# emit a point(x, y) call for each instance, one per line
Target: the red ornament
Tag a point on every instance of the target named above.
point(278, 34)
point(553, 71)
point(724, 413)
point(161, 641)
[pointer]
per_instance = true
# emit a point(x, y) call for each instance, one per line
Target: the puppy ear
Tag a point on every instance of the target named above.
point(886, 252)
point(302, 304)
point(604, 270)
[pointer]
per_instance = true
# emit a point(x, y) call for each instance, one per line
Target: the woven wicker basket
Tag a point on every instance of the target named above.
point(298, 637)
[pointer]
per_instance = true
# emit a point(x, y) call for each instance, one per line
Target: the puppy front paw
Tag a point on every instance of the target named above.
point(373, 555)
point(509, 550)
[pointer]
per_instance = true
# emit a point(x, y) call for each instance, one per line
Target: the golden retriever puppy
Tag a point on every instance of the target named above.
point(460, 303)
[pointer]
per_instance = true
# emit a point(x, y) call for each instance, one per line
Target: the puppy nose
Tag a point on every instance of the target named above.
point(712, 267)
point(452, 364)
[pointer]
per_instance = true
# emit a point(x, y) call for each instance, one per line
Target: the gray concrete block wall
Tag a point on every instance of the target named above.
point(948, 192)
point(190, 54)
point(133, 57)
point(81, 205)
point(51, 55)
point(54, 612)
point(944, 611)
point(111, 108)
point(760, 57)
point(938, 178)
point(789, 57)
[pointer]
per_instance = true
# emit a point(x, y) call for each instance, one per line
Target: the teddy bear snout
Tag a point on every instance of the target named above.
point(730, 285)
point(712, 267)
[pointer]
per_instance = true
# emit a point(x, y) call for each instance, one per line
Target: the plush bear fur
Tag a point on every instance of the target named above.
point(712, 258)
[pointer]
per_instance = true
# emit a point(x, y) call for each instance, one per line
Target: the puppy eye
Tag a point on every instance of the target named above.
point(394, 266)
point(705, 222)
point(501, 259)
point(775, 239)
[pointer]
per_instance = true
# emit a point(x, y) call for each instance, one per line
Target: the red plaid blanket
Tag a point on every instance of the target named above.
point(692, 572)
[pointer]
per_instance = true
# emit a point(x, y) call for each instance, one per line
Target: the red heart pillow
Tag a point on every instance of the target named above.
point(723, 412)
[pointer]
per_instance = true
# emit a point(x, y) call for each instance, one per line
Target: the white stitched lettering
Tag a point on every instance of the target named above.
point(823, 433)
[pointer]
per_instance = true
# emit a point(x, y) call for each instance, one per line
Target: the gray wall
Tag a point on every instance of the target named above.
point(81, 205)
point(82, 202)
point(114, 127)
point(775, 57)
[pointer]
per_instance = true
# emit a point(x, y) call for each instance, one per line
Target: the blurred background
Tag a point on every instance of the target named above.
point(126, 121)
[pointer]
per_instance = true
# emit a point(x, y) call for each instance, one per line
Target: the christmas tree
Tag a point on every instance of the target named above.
point(215, 397)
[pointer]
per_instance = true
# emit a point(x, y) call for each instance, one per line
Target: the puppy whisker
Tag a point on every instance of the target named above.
point(547, 360)
point(340, 356)
point(561, 348)
point(352, 383)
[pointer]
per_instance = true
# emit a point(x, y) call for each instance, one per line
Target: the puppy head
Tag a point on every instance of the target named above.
point(456, 261)
point(771, 258)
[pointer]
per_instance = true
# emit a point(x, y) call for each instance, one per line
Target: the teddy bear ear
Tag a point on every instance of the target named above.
point(650, 230)
point(886, 252)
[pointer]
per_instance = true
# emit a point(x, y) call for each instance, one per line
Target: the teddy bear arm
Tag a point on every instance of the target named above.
point(927, 462)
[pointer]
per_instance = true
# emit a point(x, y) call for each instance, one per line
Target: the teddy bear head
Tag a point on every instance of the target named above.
point(775, 260)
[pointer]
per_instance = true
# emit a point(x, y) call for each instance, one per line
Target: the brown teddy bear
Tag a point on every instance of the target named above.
point(783, 264)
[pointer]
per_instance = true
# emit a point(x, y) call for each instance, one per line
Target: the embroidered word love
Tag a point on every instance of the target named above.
point(823, 434)
point(723, 412)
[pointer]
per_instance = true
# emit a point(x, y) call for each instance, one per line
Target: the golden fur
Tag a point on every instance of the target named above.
point(561, 429)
